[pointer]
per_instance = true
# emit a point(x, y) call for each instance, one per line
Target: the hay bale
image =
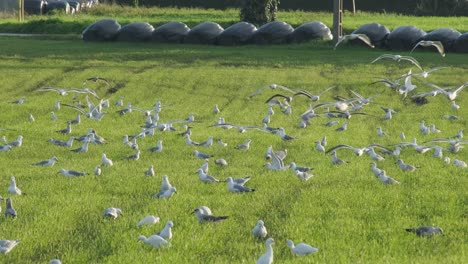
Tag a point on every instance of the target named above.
point(310, 31)
point(461, 44)
point(447, 36)
point(135, 32)
point(376, 32)
point(35, 7)
point(103, 30)
point(237, 34)
point(58, 6)
point(172, 32)
point(275, 32)
point(404, 37)
point(204, 33)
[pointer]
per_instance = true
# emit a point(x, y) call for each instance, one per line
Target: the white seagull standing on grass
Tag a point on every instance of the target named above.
point(267, 257)
point(301, 249)
point(154, 241)
point(148, 220)
point(260, 231)
point(13, 189)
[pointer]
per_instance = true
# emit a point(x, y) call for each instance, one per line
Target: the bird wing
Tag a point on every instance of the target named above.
point(76, 108)
point(340, 40)
point(338, 147)
point(277, 95)
point(440, 47)
point(417, 44)
point(258, 91)
point(366, 40)
point(328, 89)
point(412, 60)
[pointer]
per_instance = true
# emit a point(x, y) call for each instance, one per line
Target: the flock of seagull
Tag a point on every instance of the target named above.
point(341, 108)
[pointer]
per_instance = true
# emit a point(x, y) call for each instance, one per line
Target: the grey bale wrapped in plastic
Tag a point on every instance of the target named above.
point(172, 32)
point(103, 30)
point(310, 31)
point(461, 44)
point(58, 6)
point(237, 34)
point(204, 33)
point(35, 7)
point(404, 37)
point(445, 35)
point(376, 32)
point(275, 32)
point(135, 32)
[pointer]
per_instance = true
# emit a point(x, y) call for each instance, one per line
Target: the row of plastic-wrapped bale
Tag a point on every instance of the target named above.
point(276, 32)
point(40, 7)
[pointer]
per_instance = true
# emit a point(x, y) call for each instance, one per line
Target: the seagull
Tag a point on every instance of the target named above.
point(106, 161)
point(428, 43)
point(303, 175)
point(259, 231)
point(407, 87)
point(271, 86)
point(66, 130)
point(237, 188)
point(405, 167)
point(216, 109)
point(267, 257)
point(283, 135)
point(276, 163)
point(399, 58)
point(72, 173)
point(460, 163)
point(53, 117)
point(245, 145)
point(55, 261)
point(375, 170)
point(154, 241)
point(388, 113)
point(385, 179)
point(205, 177)
point(380, 132)
point(336, 160)
point(207, 143)
point(362, 37)
point(455, 106)
point(96, 79)
point(49, 162)
point(357, 151)
point(319, 147)
point(135, 156)
point(293, 166)
point(83, 148)
point(97, 170)
point(221, 143)
point(150, 171)
point(68, 143)
point(203, 216)
point(119, 102)
point(316, 97)
point(343, 127)
point(19, 101)
point(60, 91)
point(371, 152)
point(241, 181)
point(301, 249)
point(451, 95)
point(5, 148)
point(165, 185)
point(10, 211)
point(167, 193)
point(425, 231)
point(13, 189)
point(31, 118)
point(17, 143)
point(112, 212)
point(148, 220)
point(201, 155)
point(7, 245)
point(166, 233)
point(221, 162)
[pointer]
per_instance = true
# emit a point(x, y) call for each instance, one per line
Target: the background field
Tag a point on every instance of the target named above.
point(344, 211)
point(68, 24)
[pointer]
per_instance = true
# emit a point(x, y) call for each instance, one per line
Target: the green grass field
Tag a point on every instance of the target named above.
point(68, 24)
point(344, 210)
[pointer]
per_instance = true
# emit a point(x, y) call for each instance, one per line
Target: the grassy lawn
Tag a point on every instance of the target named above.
point(344, 210)
point(75, 24)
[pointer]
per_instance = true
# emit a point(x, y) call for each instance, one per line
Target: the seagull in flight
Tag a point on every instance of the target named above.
point(427, 43)
point(357, 151)
point(363, 37)
point(273, 87)
point(399, 58)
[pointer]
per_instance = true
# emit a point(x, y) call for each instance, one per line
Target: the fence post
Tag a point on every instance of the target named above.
point(337, 19)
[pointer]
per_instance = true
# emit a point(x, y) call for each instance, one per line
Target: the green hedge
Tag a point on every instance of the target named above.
point(410, 7)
